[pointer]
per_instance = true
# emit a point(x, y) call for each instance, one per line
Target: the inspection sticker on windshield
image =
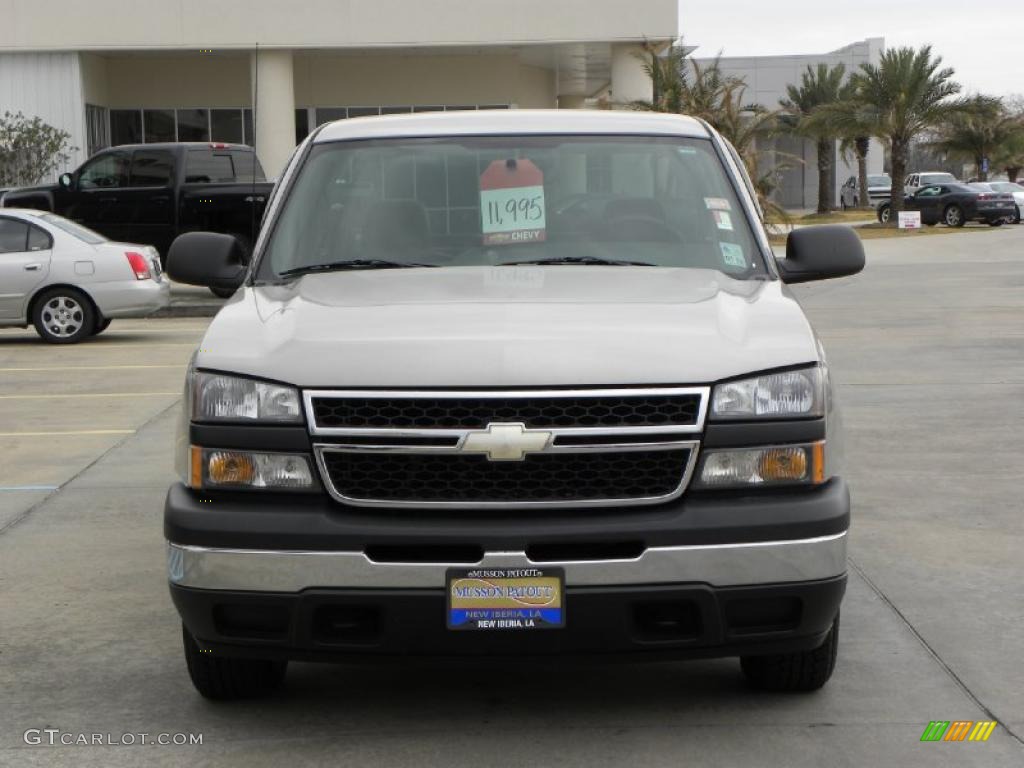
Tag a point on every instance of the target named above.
point(722, 220)
point(732, 255)
point(717, 204)
point(512, 203)
point(503, 599)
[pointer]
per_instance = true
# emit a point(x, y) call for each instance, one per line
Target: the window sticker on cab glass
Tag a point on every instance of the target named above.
point(722, 220)
point(512, 202)
point(717, 204)
point(732, 255)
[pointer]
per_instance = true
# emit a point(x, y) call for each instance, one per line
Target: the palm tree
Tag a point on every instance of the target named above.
point(683, 86)
point(819, 87)
point(906, 94)
point(984, 129)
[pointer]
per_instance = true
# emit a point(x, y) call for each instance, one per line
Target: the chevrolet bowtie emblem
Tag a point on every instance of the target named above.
point(506, 442)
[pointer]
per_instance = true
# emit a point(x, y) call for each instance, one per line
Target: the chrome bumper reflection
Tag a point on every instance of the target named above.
point(720, 565)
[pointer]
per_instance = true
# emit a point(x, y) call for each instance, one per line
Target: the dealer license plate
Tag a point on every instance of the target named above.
point(506, 599)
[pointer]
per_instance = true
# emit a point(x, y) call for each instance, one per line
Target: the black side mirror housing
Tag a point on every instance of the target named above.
point(209, 259)
point(66, 180)
point(821, 253)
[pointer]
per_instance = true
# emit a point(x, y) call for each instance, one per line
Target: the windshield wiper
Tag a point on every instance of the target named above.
point(337, 266)
point(581, 260)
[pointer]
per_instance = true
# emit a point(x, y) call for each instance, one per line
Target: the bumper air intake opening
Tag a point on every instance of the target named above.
point(759, 616)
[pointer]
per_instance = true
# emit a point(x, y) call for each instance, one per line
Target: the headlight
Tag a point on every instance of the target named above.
point(216, 468)
point(769, 466)
point(773, 395)
point(216, 397)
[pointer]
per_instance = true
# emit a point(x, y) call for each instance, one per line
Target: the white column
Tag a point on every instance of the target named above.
point(273, 87)
point(630, 82)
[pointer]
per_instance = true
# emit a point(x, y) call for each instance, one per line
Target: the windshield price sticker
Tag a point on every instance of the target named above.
point(505, 599)
point(512, 203)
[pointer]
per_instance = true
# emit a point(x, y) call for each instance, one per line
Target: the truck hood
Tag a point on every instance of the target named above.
point(509, 326)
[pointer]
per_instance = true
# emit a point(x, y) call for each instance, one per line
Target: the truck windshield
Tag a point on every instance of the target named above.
point(492, 201)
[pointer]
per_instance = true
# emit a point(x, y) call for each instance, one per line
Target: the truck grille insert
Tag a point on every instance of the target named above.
point(452, 412)
point(554, 477)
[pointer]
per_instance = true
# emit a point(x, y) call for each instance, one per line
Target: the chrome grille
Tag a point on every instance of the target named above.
point(582, 448)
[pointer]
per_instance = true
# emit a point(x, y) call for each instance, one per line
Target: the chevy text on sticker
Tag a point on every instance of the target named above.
point(512, 203)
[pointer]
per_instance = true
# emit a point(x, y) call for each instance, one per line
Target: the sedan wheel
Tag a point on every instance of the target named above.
point(954, 216)
point(884, 213)
point(63, 316)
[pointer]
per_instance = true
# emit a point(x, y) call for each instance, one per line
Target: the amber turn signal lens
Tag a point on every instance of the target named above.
point(782, 464)
point(231, 468)
point(195, 473)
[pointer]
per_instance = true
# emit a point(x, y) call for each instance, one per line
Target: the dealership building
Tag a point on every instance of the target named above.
point(266, 72)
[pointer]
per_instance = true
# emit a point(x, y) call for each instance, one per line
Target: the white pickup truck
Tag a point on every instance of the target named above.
point(509, 383)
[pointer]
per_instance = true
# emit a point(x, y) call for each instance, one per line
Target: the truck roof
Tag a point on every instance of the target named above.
point(516, 121)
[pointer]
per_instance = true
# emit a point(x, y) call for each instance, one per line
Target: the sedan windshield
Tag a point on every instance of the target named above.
point(82, 233)
point(563, 201)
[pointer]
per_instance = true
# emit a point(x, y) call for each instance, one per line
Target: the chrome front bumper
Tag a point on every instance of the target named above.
point(720, 565)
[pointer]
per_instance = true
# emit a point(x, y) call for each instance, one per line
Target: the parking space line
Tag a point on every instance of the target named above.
point(90, 368)
point(67, 433)
point(29, 487)
point(87, 394)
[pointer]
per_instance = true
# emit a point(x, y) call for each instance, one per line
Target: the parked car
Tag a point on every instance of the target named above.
point(1010, 188)
point(70, 282)
point(879, 189)
point(150, 193)
point(916, 181)
point(954, 205)
point(477, 389)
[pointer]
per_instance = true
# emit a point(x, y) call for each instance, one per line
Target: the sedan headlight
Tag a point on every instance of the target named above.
point(787, 394)
point(212, 468)
point(768, 466)
point(217, 397)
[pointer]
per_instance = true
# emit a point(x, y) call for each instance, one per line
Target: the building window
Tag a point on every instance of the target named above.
point(158, 125)
point(301, 125)
point(226, 126)
point(125, 126)
point(193, 124)
point(329, 114)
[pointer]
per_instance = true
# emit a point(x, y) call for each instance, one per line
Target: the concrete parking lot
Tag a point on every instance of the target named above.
point(928, 345)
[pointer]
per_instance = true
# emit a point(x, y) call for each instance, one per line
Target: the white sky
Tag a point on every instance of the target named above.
point(982, 41)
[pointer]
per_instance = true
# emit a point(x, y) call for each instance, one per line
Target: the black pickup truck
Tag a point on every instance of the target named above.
point(151, 193)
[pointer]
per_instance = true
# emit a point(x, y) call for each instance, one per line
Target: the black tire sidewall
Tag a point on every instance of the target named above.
point(87, 327)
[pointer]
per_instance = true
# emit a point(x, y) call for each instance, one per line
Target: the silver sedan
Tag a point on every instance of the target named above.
point(70, 282)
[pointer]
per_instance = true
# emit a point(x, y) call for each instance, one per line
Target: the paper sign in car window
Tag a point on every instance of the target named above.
point(512, 203)
point(732, 255)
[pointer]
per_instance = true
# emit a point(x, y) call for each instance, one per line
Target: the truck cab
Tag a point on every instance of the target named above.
point(518, 383)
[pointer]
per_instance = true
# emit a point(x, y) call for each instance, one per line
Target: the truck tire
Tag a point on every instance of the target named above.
point(801, 671)
point(223, 293)
point(63, 316)
point(223, 679)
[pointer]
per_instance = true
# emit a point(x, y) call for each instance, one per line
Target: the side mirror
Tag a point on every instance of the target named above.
point(65, 180)
point(209, 259)
point(821, 253)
